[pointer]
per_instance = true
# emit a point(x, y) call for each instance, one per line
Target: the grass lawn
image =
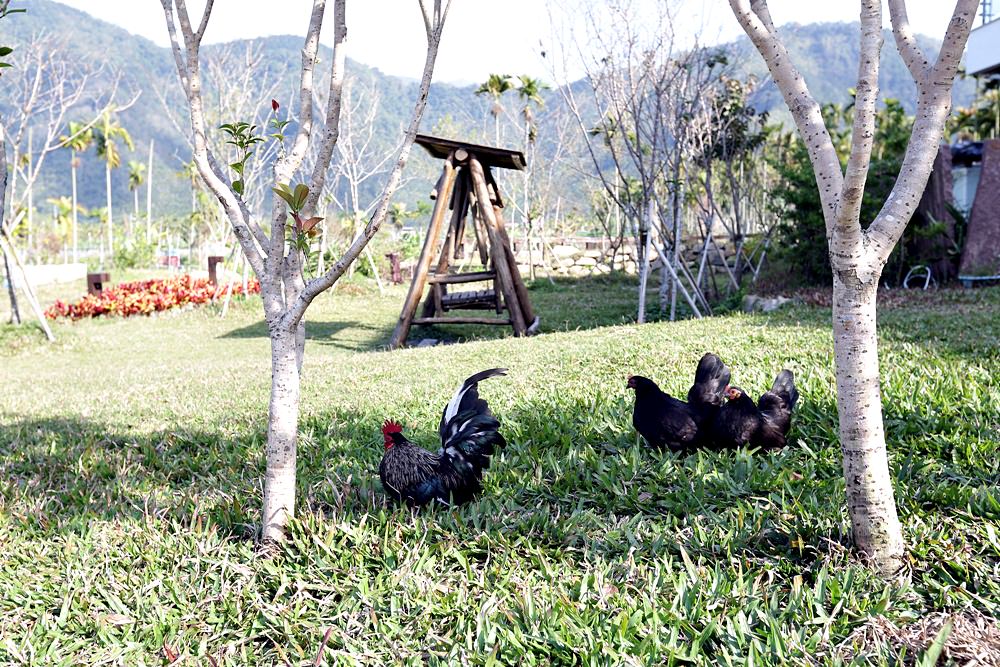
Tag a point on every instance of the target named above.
point(131, 467)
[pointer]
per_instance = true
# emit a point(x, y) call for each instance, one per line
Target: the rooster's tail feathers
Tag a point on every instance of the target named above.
point(465, 403)
point(784, 386)
point(475, 442)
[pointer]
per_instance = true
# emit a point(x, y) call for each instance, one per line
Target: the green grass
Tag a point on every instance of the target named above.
point(131, 465)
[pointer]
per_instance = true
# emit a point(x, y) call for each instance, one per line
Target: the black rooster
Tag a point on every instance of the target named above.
point(740, 422)
point(453, 474)
point(665, 421)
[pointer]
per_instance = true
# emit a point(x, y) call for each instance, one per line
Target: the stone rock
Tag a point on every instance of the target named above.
point(565, 252)
point(596, 254)
point(754, 303)
point(586, 261)
point(602, 269)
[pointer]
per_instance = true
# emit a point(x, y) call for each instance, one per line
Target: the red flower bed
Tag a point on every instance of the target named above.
point(143, 297)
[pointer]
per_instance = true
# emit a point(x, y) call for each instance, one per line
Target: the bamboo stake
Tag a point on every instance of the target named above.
point(441, 192)
point(15, 313)
point(32, 300)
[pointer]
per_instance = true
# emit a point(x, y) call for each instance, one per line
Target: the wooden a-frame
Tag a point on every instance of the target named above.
point(466, 184)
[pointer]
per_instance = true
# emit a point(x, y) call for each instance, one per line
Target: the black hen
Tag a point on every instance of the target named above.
point(775, 408)
point(661, 419)
point(740, 422)
point(706, 394)
point(737, 421)
point(452, 475)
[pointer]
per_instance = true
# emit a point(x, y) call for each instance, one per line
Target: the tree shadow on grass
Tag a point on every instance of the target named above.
point(572, 480)
point(346, 334)
point(953, 323)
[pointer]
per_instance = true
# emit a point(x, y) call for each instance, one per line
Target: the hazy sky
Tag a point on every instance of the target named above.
point(480, 36)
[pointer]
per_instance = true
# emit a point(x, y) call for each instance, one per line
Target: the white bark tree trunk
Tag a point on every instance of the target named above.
point(149, 194)
point(111, 228)
point(285, 293)
point(857, 255)
point(72, 163)
point(870, 500)
point(282, 427)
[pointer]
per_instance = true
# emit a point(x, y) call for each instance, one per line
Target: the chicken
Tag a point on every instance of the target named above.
point(775, 408)
point(661, 419)
point(737, 420)
point(665, 421)
point(452, 475)
point(706, 394)
point(741, 422)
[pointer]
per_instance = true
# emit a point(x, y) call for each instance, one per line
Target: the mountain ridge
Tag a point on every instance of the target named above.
point(826, 53)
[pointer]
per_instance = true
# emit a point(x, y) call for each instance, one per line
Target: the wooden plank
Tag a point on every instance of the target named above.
point(462, 212)
point(456, 278)
point(490, 156)
point(481, 237)
point(494, 189)
point(522, 291)
point(460, 320)
point(426, 253)
point(501, 266)
point(438, 305)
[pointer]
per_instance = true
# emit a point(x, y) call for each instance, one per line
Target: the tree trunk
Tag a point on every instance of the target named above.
point(283, 420)
point(72, 168)
point(149, 193)
point(870, 500)
point(111, 232)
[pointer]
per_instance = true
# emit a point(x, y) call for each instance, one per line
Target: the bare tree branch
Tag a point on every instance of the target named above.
point(317, 285)
point(805, 110)
point(906, 41)
point(333, 103)
point(933, 107)
point(847, 230)
point(246, 230)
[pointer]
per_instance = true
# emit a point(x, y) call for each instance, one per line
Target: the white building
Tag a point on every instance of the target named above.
point(982, 54)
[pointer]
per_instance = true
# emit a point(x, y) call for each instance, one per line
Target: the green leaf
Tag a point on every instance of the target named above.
point(284, 194)
point(301, 192)
point(6, 50)
point(237, 167)
point(933, 652)
point(238, 187)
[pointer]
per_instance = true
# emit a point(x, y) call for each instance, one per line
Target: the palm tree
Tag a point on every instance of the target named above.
point(108, 134)
point(64, 211)
point(496, 85)
point(136, 177)
point(189, 171)
point(78, 140)
point(530, 92)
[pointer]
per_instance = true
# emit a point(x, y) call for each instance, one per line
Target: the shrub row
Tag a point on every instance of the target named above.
point(143, 297)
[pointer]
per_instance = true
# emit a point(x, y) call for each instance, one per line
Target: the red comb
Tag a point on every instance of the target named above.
point(391, 427)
